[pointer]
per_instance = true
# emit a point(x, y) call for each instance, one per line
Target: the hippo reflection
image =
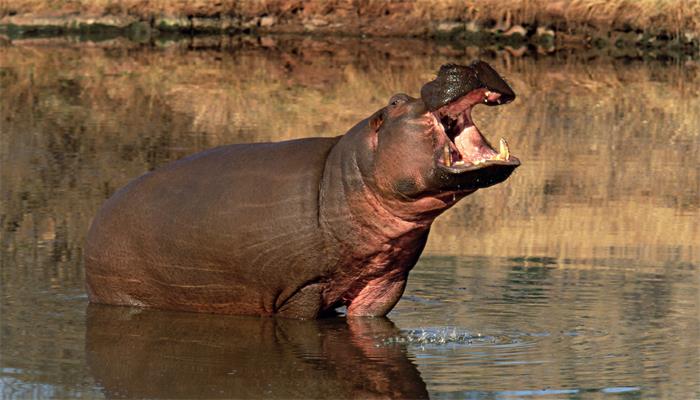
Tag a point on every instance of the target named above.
point(301, 227)
point(136, 353)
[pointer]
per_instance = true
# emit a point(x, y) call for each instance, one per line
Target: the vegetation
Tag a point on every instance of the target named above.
point(590, 22)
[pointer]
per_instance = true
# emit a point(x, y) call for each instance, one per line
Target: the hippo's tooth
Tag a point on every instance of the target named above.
point(503, 151)
point(477, 162)
point(447, 155)
point(459, 162)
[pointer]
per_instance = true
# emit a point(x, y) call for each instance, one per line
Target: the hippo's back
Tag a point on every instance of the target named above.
point(207, 233)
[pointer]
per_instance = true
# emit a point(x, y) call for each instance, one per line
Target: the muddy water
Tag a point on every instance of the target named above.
point(578, 277)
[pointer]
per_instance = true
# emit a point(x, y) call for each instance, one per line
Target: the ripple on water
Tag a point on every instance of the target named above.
point(554, 392)
point(437, 337)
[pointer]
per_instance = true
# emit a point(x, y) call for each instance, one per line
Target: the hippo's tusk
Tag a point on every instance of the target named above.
point(503, 151)
point(447, 155)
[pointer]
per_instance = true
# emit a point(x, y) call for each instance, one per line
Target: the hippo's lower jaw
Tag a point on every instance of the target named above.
point(464, 159)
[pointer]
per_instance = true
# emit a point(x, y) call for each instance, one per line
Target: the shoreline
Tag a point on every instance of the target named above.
point(542, 39)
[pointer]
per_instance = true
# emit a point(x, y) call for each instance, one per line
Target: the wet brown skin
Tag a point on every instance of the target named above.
point(301, 227)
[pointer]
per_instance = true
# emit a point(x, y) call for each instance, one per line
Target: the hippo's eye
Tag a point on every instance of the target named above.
point(398, 99)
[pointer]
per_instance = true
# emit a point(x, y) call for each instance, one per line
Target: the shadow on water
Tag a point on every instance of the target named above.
point(153, 354)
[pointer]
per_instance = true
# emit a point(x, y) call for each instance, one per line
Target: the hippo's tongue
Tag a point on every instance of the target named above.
point(464, 144)
point(474, 149)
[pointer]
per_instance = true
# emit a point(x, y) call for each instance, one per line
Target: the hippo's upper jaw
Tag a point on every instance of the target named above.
point(464, 159)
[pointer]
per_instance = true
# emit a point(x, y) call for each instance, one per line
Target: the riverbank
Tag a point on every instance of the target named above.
point(644, 26)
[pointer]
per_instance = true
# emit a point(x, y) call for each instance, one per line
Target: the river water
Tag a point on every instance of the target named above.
point(579, 277)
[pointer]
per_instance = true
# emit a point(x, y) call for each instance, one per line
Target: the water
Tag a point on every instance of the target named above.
point(579, 277)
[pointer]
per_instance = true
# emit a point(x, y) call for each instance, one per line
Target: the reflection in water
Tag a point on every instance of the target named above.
point(153, 354)
point(535, 324)
point(583, 268)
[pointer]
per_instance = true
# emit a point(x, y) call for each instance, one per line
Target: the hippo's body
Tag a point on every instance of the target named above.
point(298, 228)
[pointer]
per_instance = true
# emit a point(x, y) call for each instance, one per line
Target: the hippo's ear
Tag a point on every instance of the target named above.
point(376, 120)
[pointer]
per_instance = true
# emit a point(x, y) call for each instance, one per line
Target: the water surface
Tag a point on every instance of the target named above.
point(578, 277)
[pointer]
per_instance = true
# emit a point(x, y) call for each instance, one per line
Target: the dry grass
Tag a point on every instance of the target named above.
point(603, 15)
point(655, 16)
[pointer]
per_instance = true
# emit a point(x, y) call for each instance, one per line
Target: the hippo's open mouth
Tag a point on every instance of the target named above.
point(464, 148)
point(464, 157)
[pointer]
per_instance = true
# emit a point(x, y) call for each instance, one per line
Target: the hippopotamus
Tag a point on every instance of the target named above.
point(303, 227)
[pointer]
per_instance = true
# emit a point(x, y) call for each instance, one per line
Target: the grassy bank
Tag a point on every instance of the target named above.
point(649, 24)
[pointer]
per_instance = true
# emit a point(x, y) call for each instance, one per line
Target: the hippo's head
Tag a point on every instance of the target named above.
point(430, 147)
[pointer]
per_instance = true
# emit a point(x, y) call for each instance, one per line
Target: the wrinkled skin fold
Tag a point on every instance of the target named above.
point(331, 222)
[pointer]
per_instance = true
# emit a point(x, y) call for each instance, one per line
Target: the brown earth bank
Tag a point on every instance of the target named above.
point(649, 25)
